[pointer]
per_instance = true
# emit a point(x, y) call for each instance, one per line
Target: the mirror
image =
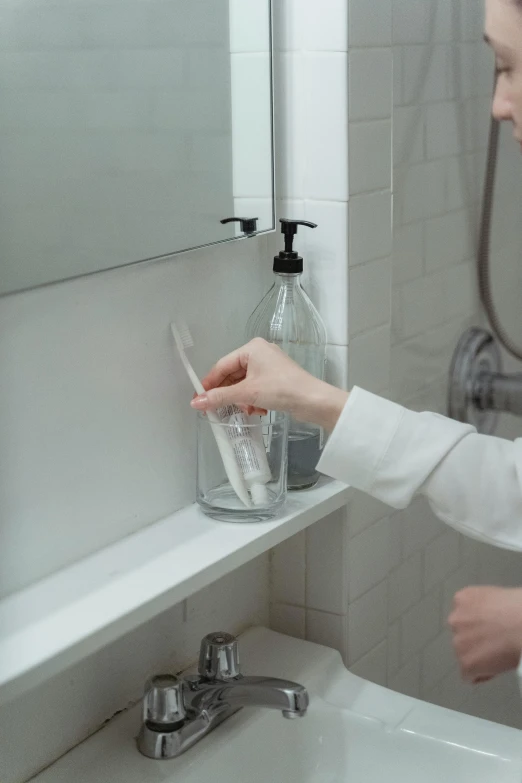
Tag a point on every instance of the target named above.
point(129, 129)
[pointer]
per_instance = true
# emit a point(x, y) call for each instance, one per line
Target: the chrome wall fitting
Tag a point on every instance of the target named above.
point(478, 390)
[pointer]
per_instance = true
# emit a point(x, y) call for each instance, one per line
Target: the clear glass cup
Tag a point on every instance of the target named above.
point(215, 495)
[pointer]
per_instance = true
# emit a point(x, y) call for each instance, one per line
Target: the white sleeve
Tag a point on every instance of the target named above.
point(473, 482)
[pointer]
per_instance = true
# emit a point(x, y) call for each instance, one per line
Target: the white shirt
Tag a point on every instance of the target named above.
point(473, 482)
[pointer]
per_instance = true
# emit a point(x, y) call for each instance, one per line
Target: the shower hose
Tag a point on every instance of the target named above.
point(478, 389)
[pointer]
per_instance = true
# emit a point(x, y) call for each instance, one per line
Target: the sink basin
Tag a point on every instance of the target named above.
point(333, 747)
point(354, 731)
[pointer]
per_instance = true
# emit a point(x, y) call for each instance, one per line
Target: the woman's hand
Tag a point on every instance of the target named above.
point(487, 631)
point(260, 377)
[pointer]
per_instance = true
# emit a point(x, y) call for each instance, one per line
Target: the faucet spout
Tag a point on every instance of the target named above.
point(179, 712)
point(290, 698)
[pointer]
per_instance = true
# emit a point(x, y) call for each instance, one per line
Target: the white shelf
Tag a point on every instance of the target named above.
point(73, 613)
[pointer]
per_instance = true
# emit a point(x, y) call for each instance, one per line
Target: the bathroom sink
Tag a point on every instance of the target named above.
point(330, 746)
point(354, 732)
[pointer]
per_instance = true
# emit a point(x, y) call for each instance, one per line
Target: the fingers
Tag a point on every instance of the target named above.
point(232, 366)
point(230, 380)
point(238, 394)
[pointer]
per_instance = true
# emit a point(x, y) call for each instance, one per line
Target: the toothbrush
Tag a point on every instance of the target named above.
point(183, 340)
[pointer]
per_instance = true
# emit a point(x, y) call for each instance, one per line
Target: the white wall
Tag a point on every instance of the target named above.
point(97, 436)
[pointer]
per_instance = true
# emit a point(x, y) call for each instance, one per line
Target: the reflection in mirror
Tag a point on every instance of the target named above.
point(129, 129)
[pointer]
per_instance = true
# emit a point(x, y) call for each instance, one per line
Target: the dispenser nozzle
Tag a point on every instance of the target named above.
point(289, 230)
point(288, 261)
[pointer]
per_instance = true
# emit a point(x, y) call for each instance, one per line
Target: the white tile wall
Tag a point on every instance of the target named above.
point(438, 658)
point(424, 74)
point(460, 239)
point(451, 692)
point(420, 624)
point(373, 665)
point(467, 574)
point(370, 227)
point(367, 622)
point(444, 134)
point(441, 558)
point(325, 250)
point(420, 360)
point(407, 679)
point(289, 572)
point(369, 556)
point(370, 92)
point(290, 620)
point(369, 360)
point(393, 649)
point(326, 121)
point(420, 191)
point(249, 25)
point(324, 26)
point(370, 25)
point(370, 295)
point(408, 245)
point(419, 527)
point(325, 628)
point(370, 152)
point(408, 134)
point(364, 510)
point(325, 564)
point(411, 22)
point(405, 586)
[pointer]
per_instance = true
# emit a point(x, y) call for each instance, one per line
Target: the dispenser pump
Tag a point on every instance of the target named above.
point(288, 261)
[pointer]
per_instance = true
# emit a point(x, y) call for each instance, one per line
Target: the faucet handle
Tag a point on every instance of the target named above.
point(163, 704)
point(219, 657)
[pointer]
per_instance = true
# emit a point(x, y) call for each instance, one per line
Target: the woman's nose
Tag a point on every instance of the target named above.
point(502, 106)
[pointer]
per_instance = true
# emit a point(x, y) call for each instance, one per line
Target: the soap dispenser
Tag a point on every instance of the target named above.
point(287, 317)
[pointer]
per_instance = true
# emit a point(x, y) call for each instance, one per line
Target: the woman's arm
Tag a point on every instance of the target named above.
point(472, 482)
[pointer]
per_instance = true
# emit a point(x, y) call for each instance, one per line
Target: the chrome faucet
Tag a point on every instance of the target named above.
point(178, 712)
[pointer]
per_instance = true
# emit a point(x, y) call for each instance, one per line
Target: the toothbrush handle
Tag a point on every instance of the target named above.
point(198, 386)
point(224, 445)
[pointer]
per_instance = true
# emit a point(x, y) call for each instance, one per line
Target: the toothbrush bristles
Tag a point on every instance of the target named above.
point(184, 334)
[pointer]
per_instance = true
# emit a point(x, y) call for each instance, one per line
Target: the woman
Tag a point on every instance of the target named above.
point(472, 482)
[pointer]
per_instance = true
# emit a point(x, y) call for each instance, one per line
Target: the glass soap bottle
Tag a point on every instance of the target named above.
point(287, 317)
